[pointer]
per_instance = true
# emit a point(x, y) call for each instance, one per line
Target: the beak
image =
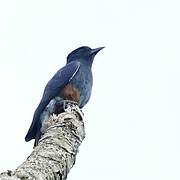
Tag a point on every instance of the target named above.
point(95, 51)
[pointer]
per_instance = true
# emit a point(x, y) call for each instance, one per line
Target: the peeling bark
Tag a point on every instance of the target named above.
point(55, 154)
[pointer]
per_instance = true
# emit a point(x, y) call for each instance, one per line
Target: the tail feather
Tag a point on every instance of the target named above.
point(36, 124)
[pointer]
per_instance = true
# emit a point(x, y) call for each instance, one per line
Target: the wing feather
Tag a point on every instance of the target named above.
point(52, 89)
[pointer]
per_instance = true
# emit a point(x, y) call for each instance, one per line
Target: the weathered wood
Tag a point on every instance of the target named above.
point(56, 152)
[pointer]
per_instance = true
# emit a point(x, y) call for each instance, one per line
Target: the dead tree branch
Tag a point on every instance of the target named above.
point(56, 152)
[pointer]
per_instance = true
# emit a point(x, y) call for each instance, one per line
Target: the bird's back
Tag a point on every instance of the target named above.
point(52, 89)
point(78, 89)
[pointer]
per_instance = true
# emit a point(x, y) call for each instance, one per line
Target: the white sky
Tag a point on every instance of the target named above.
point(133, 118)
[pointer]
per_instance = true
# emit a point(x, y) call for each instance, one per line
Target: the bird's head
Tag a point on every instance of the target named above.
point(83, 54)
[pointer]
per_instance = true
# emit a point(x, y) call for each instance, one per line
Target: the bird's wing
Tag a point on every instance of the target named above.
point(52, 89)
point(59, 80)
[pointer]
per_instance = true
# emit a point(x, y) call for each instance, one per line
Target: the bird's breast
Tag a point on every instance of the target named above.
point(79, 87)
point(70, 92)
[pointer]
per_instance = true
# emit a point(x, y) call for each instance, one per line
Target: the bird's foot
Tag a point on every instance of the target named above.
point(67, 106)
point(59, 106)
point(69, 103)
point(70, 106)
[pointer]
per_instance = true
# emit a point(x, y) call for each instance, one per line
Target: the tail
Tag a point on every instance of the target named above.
point(36, 124)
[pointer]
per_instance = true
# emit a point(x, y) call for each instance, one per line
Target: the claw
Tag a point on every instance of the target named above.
point(70, 106)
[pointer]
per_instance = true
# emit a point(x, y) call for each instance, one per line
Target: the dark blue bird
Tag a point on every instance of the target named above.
point(72, 82)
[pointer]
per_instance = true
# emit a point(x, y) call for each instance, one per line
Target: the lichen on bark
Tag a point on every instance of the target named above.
point(56, 151)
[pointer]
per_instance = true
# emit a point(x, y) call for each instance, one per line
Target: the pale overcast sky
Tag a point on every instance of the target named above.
point(133, 118)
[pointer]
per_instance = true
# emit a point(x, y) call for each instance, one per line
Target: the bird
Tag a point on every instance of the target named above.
point(72, 82)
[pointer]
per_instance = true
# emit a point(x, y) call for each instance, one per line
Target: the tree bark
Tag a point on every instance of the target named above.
point(55, 154)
